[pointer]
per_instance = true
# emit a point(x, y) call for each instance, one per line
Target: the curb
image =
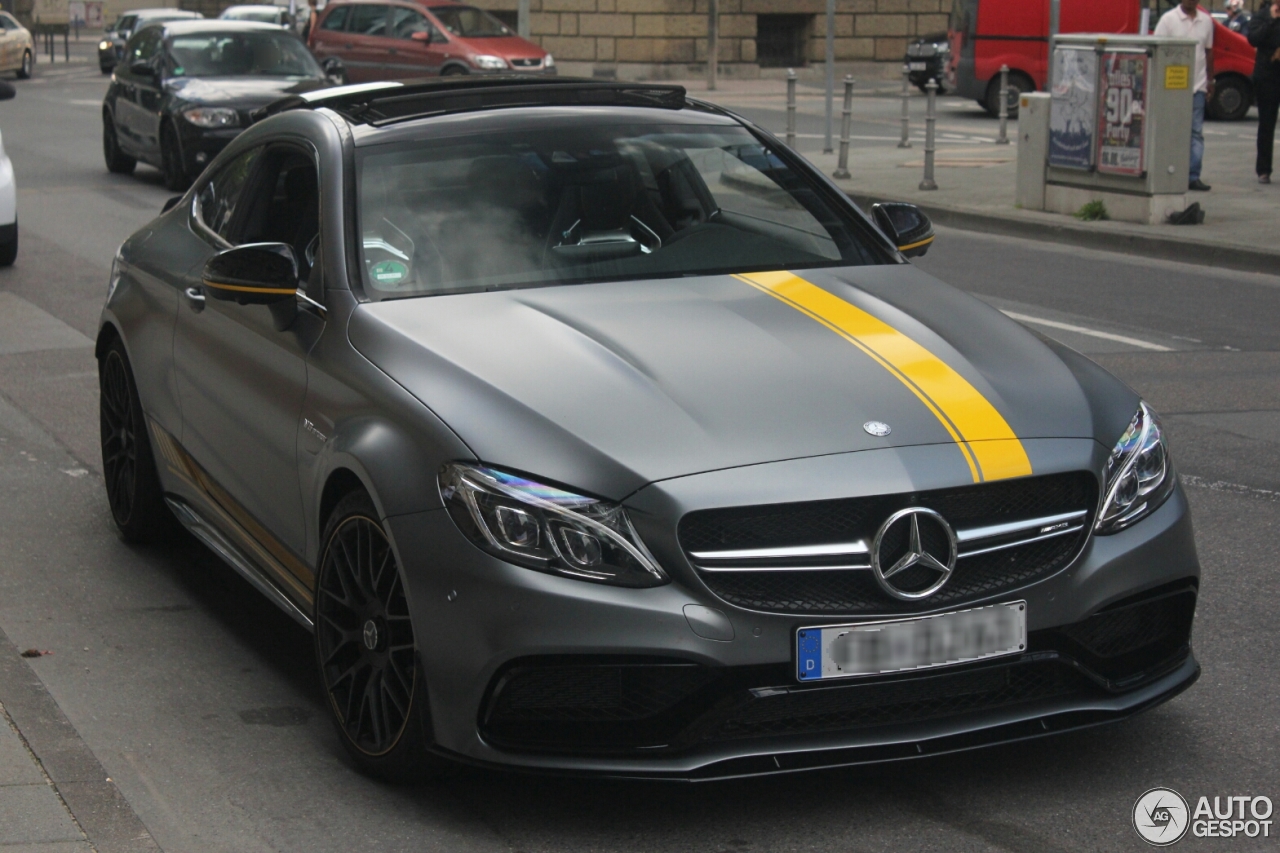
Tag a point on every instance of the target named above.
point(1240, 258)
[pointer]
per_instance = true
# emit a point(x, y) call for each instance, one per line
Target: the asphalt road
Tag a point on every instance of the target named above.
point(197, 698)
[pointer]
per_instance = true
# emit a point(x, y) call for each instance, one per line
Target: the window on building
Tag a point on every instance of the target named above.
point(781, 40)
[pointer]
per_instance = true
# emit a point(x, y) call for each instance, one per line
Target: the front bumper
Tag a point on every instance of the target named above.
point(201, 146)
point(934, 69)
point(736, 708)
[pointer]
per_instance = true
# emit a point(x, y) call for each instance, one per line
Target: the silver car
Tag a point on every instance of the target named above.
point(591, 429)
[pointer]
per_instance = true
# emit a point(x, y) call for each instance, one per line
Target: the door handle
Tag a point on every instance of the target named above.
point(195, 299)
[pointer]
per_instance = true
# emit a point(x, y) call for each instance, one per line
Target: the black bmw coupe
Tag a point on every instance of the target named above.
point(184, 89)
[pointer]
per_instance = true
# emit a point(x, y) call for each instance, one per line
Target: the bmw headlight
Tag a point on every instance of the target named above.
point(212, 117)
point(1139, 475)
point(490, 63)
point(545, 528)
point(104, 45)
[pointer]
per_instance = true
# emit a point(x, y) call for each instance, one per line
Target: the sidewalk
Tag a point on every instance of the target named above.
point(976, 178)
point(33, 818)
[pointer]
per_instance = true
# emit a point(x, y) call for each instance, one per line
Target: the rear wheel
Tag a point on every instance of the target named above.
point(28, 62)
point(365, 648)
point(1232, 97)
point(175, 172)
point(1019, 84)
point(117, 161)
point(133, 487)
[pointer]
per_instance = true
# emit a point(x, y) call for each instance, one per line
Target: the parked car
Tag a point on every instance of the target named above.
point(591, 429)
point(17, 47)
point(111, 48)
point(187, 88)
point(8, 196)
point(374, 40)
point(986, 34)
point(926, 60)
point(278, 15)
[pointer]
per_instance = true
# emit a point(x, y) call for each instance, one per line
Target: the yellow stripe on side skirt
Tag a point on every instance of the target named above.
point(988, 443)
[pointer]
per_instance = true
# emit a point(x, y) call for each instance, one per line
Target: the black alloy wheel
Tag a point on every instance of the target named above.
point(365, 646)
point(175, 172)
point(117, 161)
point(28, 62)
point(128, 466)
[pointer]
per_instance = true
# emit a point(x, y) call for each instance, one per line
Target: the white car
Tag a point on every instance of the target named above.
point(278, 15)
point(8, 197)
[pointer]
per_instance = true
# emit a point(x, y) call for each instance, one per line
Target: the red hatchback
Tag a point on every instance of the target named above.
point(381, 40)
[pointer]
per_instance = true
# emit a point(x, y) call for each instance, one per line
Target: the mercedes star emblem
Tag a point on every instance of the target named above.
point(914, 538)
point(877, 428)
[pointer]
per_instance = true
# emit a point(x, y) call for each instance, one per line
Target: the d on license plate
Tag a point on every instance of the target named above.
point(917, 66)
point(873, 648)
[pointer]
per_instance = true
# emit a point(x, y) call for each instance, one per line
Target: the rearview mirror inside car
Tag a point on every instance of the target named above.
point(904, 224)
point(253, 274)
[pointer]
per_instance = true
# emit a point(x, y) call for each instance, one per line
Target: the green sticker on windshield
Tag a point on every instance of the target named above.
point(389, 272)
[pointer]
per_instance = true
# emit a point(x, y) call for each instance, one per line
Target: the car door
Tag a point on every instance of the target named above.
point(242, 378)
point(368, 43)
point(416, 50)
point(131, 119)
point(330, 39)
point(10, 52)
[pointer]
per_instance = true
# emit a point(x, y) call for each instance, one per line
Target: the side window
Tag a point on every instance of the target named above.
point(9, 23)
point(282, 205)
point(337, 19)
point(143, 46)
point(369, 20)
point(220, 197)
point(405, 22)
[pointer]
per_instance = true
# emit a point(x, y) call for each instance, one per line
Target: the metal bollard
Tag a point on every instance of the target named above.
point(1003, 138)
point(905, 141)
point(791, 108)
point(846, 122)
point(930, 119)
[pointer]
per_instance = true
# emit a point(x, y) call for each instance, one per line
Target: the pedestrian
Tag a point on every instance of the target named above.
point(1186, 21)
point(309, 23)
point(1264, 34)
point(1237, 17)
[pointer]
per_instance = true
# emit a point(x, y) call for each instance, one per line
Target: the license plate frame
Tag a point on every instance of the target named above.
point(859, 650)
point(917, 66)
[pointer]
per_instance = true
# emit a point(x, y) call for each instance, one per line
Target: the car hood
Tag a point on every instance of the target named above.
point(241, 92)
point(508, 47)
point(606, 387)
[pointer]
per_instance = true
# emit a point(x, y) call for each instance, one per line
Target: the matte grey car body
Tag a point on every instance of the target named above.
point(690, 401)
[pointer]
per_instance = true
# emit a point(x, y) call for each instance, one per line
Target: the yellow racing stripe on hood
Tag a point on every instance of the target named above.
point(988, 443)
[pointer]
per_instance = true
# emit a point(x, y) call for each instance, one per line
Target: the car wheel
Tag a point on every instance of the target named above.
point(105, 69)
point(1018, 86)
point(175, 173)
point(1231, 99)
point(28, 62)
point(365, 648)
point(454, 71)
point(117, 161)
point(134, 492)
point(9, 251)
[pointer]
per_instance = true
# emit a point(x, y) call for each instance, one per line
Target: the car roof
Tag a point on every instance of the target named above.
point(154, 13)
point(217, 25)
point(257, 7)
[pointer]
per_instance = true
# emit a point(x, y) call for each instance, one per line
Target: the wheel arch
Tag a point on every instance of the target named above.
point(454, 63)
point(107, 334)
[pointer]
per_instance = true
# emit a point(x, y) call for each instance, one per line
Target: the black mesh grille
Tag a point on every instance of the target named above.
point(856, 591)
point(1128, 640)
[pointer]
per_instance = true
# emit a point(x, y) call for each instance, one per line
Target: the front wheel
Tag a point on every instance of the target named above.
point(28, 62)
point(365, 648)
point(117, 161)
point(175, 172)
point(1231, 99)
point(1018, 86)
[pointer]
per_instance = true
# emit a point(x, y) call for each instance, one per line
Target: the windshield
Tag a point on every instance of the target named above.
point(470, 22)
point(264, 16)
point(125, 22)
point(590, 204)
point(268, 54)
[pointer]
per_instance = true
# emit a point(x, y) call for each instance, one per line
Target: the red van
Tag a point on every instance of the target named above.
point(366, 40)
point(985, 34)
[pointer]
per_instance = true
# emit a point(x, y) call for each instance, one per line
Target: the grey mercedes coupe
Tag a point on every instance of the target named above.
point(590, 429)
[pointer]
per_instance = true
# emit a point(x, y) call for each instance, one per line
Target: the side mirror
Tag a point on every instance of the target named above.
point(253, 274)
point(423, 36)
point(904, 224)
point(335, 71)
point(142, 68)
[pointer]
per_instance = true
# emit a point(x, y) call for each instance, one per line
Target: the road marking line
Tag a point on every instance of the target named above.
point(1233, 488)
point(1081, 330)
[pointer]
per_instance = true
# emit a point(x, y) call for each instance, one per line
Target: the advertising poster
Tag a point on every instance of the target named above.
point(1073, 107)
point(1122, 113)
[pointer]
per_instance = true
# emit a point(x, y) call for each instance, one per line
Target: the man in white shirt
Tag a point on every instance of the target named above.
point(1189, 22)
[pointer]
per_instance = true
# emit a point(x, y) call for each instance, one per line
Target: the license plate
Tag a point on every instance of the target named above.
point(918, 66)
point(874, 648)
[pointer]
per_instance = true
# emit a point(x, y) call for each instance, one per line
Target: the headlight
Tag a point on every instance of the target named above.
point(549, 61)
point(212, 117)
point(117, 270)
point(104, 45)
point(490, 63)
point(1138, 476)
point(545, 528)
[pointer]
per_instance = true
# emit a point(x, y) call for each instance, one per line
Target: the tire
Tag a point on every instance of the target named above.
point(454, 71)
point(134, 492)
point(106, 69)
point(1232, 97)
point(118, 162)
point(1018, 86)
point(175, 172)
point(9, 251)
point(28, 65)
point(366, 653)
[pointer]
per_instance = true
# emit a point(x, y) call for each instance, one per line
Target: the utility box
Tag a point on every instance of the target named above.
point(1117, 129)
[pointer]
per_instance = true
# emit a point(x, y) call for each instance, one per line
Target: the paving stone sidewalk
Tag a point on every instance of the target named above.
point(33, 818)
